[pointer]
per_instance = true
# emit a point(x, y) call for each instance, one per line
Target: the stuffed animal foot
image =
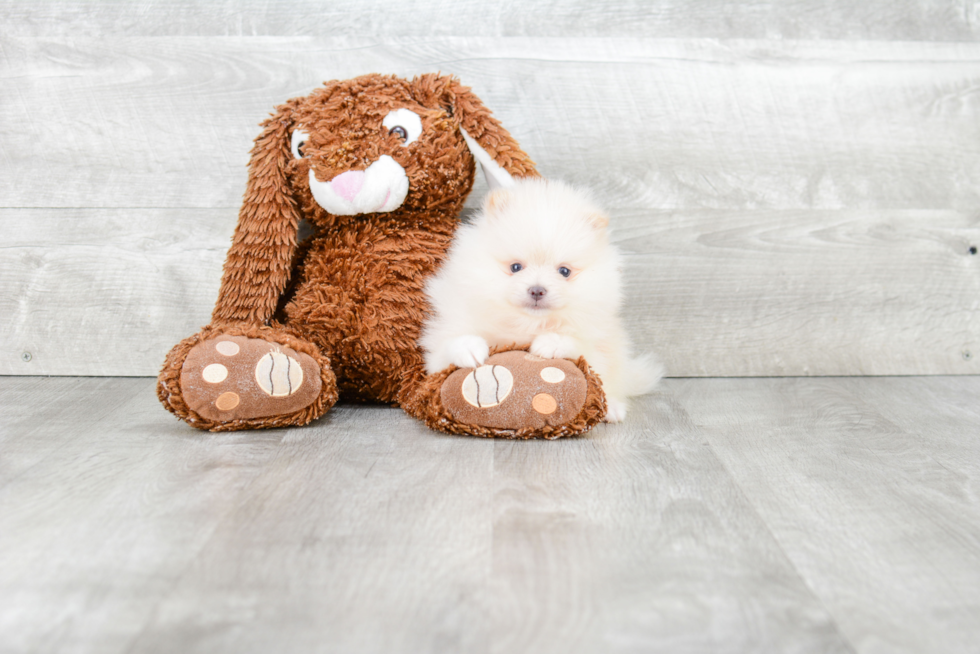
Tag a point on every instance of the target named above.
point(229, 382)
point(516, 394)
point(234, 378)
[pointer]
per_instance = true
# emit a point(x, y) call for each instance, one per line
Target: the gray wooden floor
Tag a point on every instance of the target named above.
point(726, 515)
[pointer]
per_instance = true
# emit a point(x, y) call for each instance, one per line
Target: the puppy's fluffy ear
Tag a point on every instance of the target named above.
point(598, 220)
point(498, 153)
point(258, 264)
point(496, 201)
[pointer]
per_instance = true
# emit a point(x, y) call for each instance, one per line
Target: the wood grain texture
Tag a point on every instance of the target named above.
point(784, 515)
point(122, 530)
point(788, 207)
point(712, 293)
point(635, 539)
point(370, 534)
point(928, 20)
point(96, 292)
point(870, 487)
point(168, 122)
point(790, 293)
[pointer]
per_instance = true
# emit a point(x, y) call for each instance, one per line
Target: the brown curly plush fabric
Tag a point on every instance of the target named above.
point(351, 296)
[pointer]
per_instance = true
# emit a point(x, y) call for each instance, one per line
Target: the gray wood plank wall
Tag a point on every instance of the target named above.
point(796, 185)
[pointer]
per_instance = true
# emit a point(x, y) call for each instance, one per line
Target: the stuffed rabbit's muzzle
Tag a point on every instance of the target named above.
point(380, 188)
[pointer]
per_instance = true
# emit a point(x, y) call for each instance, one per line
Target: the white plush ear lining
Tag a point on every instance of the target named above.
point(496, 176)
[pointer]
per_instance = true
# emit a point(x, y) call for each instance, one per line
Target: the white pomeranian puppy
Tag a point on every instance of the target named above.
point(536, 266)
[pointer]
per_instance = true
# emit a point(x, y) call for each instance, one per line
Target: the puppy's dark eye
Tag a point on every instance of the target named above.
point(564, 272)
point(399, 131)
point(299, 148)
point(516, 267)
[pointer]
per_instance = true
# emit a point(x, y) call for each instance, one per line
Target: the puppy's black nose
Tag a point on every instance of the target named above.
point(537, 292)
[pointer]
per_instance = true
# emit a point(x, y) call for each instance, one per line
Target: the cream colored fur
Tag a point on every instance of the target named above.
point(489, 290)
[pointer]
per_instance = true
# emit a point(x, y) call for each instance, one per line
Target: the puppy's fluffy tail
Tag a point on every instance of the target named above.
point(643, 373)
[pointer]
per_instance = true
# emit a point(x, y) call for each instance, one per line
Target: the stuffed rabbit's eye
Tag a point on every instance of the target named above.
point(299, 139)
point(516, 267)
point(405, 124)
point(564, 271)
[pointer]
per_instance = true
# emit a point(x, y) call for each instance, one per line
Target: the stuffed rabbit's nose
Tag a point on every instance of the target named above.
point(347, 185)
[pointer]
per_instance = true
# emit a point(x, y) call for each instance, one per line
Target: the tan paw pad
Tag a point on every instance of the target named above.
point(544, 404)
point(552, 375)
point(487, 386)
point(227, 348)
point(278, 375)
point(227, 401)
point(214, 373)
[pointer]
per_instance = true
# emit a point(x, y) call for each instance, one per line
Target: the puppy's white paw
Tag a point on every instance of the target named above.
point(468, 351)
point(615, 410)
point(553, 346)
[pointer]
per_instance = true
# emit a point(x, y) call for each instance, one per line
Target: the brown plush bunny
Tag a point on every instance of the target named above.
point(379, 167)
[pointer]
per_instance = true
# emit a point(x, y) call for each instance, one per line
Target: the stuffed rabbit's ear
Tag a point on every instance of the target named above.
point(498, 153)
point(259, 261)
point(496, 176)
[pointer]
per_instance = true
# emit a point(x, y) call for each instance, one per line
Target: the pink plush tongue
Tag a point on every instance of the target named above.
point(347, 185)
